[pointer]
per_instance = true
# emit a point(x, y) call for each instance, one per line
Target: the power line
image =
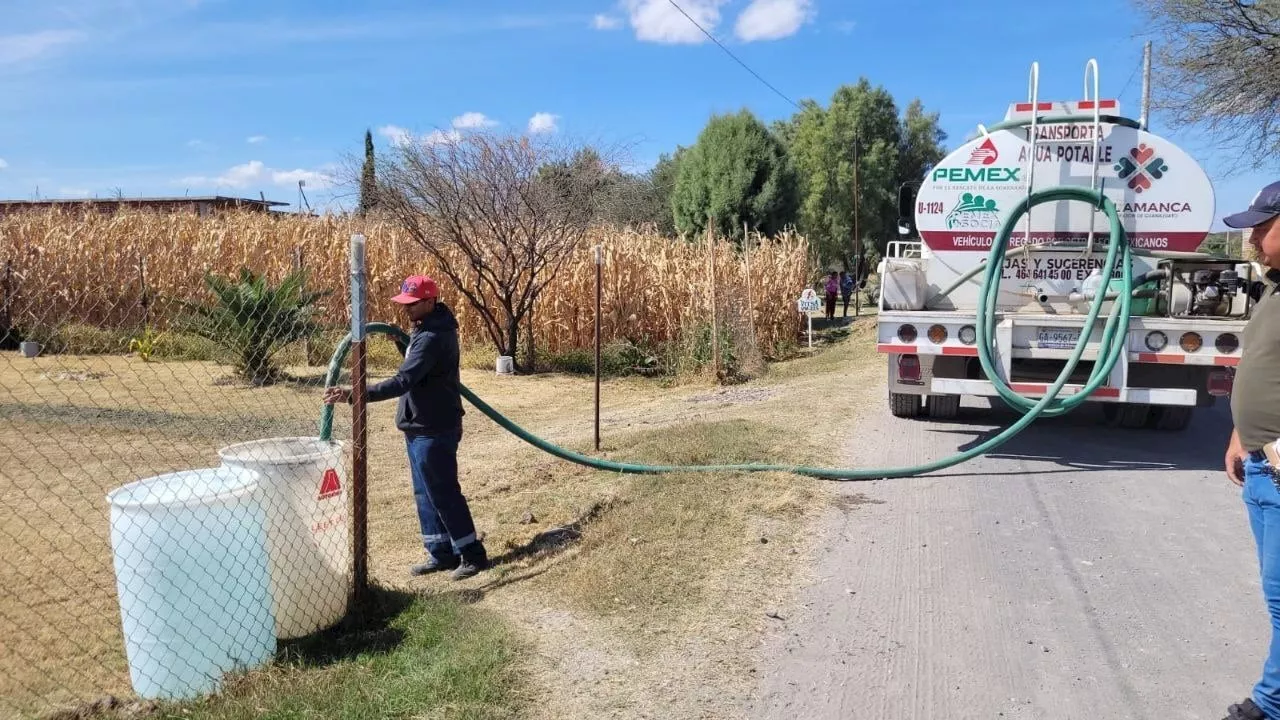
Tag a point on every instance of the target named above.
point(735, 57)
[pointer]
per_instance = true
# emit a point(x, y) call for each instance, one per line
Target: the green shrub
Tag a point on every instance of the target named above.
point(255, 320)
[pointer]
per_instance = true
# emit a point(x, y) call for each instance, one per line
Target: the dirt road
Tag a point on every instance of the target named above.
point(1078, 572)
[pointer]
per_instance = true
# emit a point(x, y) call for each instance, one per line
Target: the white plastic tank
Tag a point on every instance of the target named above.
point(191, 574)
point(304, 484)
point(903, 284)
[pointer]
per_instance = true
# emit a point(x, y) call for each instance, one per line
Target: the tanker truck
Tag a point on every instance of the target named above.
point(1187, 308)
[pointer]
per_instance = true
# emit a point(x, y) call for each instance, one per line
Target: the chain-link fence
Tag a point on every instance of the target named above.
point(168, 513)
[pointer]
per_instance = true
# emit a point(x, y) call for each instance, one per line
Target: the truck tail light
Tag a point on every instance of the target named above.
point(1227, 343)
point(1220, 382)
point(968, 335)
point(937, 334)
point(909, 367)
point(1190, 341)
point(907, 333)
point(1156, 341)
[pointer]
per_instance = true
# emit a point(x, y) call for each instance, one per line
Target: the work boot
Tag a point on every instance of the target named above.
point(1245, 710)
point(433, 565)
point(474, 560)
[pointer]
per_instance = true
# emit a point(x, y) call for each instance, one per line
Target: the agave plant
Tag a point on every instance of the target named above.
point(254, 320)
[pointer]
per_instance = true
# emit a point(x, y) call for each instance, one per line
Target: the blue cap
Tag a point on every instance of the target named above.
point(1265, 205)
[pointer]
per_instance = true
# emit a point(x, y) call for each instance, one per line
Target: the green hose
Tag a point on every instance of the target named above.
point(1110, 347)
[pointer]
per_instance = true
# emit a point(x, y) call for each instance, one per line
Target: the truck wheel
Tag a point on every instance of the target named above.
point(904, 405)
point(1173, 418)
point(942, 407)
point(1126, 415)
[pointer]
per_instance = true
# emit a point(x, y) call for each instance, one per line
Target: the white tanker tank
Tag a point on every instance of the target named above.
point(1184, 338)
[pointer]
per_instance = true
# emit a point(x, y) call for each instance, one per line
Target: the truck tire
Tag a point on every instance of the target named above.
point(942, 407)
point(904, 405)
point(1127, 415)
point(1173, 418)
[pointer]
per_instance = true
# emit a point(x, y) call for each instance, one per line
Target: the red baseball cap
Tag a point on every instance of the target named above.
point(416, 288)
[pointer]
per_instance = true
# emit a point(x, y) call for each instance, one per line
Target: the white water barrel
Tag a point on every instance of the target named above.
point(191, 574)
point(304, 483)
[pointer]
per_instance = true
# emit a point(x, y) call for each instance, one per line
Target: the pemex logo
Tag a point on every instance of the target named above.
point(1141, 168)
point(984, 154)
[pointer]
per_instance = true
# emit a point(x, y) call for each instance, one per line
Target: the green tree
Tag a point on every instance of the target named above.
point(737, 172)
point(860, 121)
point(922, 143)
point(368, 178)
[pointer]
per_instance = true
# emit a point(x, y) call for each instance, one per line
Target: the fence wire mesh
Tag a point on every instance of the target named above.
point(168, 511)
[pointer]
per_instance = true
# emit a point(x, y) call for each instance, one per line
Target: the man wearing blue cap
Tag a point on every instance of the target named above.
point(1255, 411)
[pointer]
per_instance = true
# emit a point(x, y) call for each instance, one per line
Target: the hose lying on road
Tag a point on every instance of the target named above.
point(1110, 346)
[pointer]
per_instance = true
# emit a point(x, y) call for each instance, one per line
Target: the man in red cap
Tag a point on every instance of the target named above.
point(429, 414)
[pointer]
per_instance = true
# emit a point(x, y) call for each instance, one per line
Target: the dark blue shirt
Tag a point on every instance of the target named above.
point(427, 382)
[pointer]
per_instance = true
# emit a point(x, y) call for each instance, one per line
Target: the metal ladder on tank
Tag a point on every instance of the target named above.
point(1033, 97)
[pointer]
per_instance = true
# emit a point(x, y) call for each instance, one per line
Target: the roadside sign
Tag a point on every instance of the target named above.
point(809, 302)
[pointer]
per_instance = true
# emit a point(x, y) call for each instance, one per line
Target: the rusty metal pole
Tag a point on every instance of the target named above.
point(599, 264)
point(359, 446)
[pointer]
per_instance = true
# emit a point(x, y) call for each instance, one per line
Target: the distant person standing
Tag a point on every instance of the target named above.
point(833, 287)
point(430, 416)
point(846, 289)
point(1255, 412)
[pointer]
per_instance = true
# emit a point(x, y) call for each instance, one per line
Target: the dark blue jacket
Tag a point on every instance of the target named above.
point(427, 382)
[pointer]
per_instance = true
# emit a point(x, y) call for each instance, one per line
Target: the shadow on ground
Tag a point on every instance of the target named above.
point(367, 628)
point(1081, 441)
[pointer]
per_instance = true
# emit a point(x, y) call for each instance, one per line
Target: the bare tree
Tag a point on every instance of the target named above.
point(1216, 65)
point(500, 214)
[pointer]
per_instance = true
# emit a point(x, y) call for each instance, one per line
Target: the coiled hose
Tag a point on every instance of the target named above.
point(1110, 347)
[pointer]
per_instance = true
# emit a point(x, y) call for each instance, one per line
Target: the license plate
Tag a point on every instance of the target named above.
point(1057, 338)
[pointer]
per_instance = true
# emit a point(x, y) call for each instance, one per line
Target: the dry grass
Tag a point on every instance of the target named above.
point(655, 289)
point(687, 594)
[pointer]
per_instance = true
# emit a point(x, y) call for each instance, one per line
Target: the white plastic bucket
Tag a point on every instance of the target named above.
point(304, 491)
point(191, 573)
point(505, 365)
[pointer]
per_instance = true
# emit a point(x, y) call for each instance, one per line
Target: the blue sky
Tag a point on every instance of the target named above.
point(168, 97)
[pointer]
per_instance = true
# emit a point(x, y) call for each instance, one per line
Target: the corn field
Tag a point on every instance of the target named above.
point(128, 270)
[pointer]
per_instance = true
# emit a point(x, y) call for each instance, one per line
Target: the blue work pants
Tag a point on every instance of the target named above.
point(443, 513)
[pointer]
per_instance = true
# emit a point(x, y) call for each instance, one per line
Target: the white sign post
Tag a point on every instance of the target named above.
point(809, 302)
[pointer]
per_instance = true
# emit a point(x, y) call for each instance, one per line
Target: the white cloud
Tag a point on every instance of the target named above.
point(310, 178)
point(661, 22)
point(255, 172)
point(845, 27)
point(29, 46)
point(772, 19)
point(396, 134)
point(469, 120)
point(543, 123)
point(3, 164)
point(255, 139)
point(440, 137)
point(605, 22)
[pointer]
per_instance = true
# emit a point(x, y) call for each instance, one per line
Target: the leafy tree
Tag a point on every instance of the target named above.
point(737, 172)
point(823, 143)
point(255, 320)
point(1217, 66)
point(368, 177)
point(922, 143)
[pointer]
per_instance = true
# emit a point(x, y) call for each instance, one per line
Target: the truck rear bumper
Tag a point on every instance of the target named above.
point(1151, 396)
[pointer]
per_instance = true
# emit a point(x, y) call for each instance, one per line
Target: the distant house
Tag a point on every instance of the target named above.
point(199, 205)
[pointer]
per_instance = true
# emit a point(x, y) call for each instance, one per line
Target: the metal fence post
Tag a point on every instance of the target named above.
point(359, 448)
